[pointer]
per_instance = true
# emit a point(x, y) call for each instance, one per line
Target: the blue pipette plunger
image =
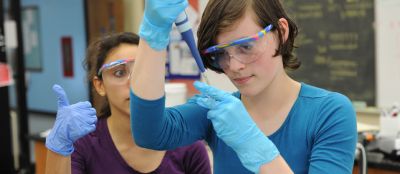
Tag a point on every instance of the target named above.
point(183, 25)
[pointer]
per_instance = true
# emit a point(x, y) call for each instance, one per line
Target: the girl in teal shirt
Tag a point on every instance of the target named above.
point(273, 124)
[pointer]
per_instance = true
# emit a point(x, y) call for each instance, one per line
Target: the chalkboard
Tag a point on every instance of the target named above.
point(336, 45)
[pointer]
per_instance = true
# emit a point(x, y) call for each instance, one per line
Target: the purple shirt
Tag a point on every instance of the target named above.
point(96, 153)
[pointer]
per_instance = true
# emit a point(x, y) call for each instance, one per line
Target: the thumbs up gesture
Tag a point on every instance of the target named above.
point(72, 122)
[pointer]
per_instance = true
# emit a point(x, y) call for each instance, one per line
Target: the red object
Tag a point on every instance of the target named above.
point(68, 63)
point(194, 4)
point(4, 75)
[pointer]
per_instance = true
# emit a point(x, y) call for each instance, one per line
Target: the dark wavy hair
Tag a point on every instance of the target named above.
point(96, 54)
point(219, 15)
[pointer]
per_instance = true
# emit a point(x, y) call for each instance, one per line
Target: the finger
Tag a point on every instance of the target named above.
point(95, 119)
point(214, 93)
point(92, 119)
point(206, 102)
point(87, 111)
point(90, 128)
point(62, 98)
point(83, 105)
point(193, 99)
point(214, 116)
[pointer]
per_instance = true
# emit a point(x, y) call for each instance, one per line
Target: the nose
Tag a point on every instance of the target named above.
point(235, 65)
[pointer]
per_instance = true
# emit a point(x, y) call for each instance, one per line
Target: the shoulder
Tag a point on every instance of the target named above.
point(324, 98)
point(332, 128)
point(309, 91)
point(325, 108)
point(332, 110)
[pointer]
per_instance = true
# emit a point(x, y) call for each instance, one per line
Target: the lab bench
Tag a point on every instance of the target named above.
point(368, 122)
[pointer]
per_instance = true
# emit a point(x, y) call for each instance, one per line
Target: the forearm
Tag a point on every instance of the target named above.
point(278, 165)
point(147, 86)
point(148, 76)
point(57, 164)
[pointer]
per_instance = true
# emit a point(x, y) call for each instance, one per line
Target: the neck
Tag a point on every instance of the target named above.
point(280, 94)
point(120, 128)
point(140, 159)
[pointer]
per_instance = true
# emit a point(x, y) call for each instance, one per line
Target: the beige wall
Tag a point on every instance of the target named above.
point(133, 12)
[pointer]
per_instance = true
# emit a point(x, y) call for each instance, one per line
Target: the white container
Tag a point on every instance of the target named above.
point(175, 94)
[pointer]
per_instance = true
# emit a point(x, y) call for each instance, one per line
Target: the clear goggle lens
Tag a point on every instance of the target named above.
point(117, 72)
point(245, 50)
point(245, 53)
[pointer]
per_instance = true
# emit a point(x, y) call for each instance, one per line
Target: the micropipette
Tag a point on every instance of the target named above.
point(183, 25)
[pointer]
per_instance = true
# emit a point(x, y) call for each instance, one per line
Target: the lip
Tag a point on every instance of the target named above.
point(242, 80)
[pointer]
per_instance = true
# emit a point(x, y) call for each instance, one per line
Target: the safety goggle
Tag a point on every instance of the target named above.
point(245, 50)
point(117, 72)
point(113, 64)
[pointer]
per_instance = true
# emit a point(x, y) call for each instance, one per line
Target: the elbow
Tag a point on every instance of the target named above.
point(144, 144)
point(148, 143)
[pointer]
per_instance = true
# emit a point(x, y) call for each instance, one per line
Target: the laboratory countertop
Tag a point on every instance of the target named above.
point(368, 120)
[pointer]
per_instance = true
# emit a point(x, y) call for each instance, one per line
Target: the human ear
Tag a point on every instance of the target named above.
point(99, 86)
point(284, 27)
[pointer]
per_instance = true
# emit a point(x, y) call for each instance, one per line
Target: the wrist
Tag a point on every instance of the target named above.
point(256, 151)
point(64, 149)
point(58, 144)
point(156, 37)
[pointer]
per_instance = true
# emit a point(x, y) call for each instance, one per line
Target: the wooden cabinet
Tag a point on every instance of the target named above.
point(103, 17)
point(40, 157)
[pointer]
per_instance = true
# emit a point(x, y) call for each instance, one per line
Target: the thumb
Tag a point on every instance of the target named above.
point(210, 91)
point(62, 98)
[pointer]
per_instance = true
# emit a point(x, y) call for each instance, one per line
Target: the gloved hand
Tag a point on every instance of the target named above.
point(235, 127)
point(72, 122)
point(159, 15)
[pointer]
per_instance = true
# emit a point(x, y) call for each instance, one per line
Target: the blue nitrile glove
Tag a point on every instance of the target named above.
point(235, 127)
point(72, 122)
point(159, 15)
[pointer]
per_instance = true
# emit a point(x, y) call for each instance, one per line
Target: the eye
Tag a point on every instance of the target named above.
point(215, 56)
point(246, 47)
point(119, 73)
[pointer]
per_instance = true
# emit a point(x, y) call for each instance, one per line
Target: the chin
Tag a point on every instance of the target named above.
point(128, 112)
point(248, 91)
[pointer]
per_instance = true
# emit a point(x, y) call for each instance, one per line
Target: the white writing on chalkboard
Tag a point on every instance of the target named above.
point(336, 46)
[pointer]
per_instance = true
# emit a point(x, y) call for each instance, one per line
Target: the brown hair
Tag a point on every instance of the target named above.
point(97, 53)
point(219, 15)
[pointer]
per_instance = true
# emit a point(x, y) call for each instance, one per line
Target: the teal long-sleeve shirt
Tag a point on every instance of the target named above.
point(318, 136)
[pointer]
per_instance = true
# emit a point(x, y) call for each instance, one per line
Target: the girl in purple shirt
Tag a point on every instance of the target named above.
point(81, 142)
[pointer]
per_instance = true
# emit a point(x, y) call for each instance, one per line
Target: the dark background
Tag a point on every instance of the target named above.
point(336, 46)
